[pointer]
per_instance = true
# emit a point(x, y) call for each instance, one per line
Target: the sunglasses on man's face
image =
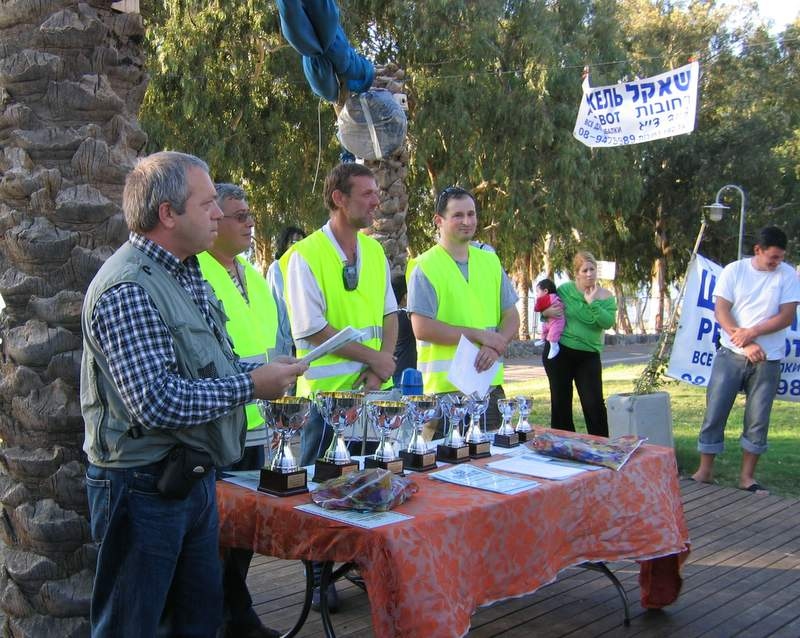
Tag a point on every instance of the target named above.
point(445, 195)
point(242, 217)
point(350, 276)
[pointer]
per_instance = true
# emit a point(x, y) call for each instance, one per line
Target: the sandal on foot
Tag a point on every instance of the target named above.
point(755, 488)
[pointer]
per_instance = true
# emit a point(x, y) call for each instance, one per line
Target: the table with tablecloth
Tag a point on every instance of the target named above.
point(466, 547)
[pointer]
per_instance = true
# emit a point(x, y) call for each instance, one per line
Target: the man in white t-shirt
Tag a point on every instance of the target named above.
point(756, 300)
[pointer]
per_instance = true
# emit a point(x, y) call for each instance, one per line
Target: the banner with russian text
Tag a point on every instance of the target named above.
point(638, 111)
point(694, 347)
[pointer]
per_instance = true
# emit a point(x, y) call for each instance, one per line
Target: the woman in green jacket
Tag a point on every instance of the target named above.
point(590, 310)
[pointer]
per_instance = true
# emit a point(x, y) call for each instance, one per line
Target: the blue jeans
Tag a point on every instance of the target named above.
point(315, 437)
point(158, 568)
point(730, 374)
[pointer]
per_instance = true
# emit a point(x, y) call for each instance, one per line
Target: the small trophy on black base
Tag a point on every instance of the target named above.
point(339, 410)
point(387, 417)
point(453, 449)
point(284, 477)
point(479, 445)
point(505, 435)
point(524, 429)
point(421, 409)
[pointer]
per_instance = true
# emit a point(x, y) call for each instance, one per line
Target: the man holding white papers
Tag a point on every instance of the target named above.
point(456, 289)
point(338, 277)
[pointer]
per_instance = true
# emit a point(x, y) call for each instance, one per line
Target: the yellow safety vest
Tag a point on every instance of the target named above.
point(252, 324)
point(361, 308)
point(472, 304)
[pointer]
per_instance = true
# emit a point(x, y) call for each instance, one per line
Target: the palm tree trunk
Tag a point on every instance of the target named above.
point(71, 82)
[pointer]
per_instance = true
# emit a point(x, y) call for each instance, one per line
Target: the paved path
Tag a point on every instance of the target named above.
point(531, 367)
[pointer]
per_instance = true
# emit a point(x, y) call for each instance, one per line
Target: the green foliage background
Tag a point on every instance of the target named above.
point(494, 88)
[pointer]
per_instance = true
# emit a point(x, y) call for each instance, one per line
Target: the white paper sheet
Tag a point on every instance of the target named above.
point(481, 479)
point(369, 520)
point(341, 338)
point(463, 374)
point(526, 464)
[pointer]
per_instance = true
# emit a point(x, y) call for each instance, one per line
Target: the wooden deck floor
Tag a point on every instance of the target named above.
point(742, 579)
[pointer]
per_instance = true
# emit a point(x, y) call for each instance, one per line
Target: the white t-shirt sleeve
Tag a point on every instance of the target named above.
point(389, 301)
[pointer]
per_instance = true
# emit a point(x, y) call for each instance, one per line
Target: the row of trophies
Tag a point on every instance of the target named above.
point(341, 410)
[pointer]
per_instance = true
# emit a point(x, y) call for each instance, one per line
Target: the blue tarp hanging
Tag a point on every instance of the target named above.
point(312, 28)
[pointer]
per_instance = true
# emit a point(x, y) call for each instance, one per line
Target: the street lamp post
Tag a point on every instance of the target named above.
point(717, 210)
point(652, 370)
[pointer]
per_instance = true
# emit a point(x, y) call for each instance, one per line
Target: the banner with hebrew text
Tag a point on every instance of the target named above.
point(694, 347)
point(638, 111)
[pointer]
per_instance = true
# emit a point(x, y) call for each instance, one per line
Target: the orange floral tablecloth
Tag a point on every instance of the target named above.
point(466, 547)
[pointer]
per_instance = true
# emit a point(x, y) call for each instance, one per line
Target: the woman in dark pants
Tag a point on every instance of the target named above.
point(589, 310)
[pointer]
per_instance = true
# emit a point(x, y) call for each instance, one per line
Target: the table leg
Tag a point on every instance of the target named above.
point(603, 569)
point(306, 601)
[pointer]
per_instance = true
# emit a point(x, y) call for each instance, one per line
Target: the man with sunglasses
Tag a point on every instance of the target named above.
point(252, 323)
point(455, 289)
point(338, 277)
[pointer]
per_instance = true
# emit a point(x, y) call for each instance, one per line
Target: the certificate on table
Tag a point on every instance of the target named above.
point(532, 466)
point(483, 479)
point(368, 520)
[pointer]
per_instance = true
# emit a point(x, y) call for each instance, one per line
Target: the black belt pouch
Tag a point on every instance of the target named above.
point(183, 467)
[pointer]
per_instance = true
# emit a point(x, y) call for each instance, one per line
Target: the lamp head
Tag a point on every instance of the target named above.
point(716, 211)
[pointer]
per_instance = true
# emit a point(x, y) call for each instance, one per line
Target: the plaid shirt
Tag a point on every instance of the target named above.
point(138, 346)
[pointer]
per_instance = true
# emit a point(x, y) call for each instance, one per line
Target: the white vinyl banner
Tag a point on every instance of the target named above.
point(694, 347)
point(639, 111)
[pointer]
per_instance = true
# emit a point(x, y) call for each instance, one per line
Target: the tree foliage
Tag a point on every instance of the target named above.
point(493, 90)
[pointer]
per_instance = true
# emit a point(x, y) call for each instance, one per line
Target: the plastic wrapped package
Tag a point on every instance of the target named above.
point(371, 125)
point(372, 490)
point(613, 454)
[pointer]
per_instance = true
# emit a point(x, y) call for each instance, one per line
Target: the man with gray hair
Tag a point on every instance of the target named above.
point(162, 396)
point(252, 323)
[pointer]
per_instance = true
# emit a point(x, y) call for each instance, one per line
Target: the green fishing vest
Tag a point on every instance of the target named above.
point(112, 439)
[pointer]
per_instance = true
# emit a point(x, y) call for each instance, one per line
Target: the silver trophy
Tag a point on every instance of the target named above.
point(286, 415)
point(479, 445)
point(524, 429)
point(339, 410)
point(453, 449)
point(386, 417)
point(421, 410)
point(505, 435)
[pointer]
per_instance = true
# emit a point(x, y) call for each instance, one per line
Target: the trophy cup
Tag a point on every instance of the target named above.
point(505, 435)
point(524, 429)
point(387, 417)
point(338, 409)
point(479, 445)
point(282, 476)
point(421, 409)
point(453, 450)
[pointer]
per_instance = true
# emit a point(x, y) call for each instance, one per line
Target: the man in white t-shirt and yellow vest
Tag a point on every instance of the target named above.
point(455, 289)
point(338, 277)
point(252, 326)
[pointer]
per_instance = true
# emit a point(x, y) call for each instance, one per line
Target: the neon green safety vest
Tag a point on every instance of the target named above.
point(361, 308)
point(473, 304)
point(252, 324)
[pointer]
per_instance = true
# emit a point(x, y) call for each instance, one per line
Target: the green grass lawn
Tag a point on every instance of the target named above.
point(778, 470)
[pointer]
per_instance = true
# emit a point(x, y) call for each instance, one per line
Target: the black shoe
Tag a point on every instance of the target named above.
point(252, 631)
point(331, 596)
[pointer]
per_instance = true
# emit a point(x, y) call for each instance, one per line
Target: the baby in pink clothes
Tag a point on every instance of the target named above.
point(552, 328)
